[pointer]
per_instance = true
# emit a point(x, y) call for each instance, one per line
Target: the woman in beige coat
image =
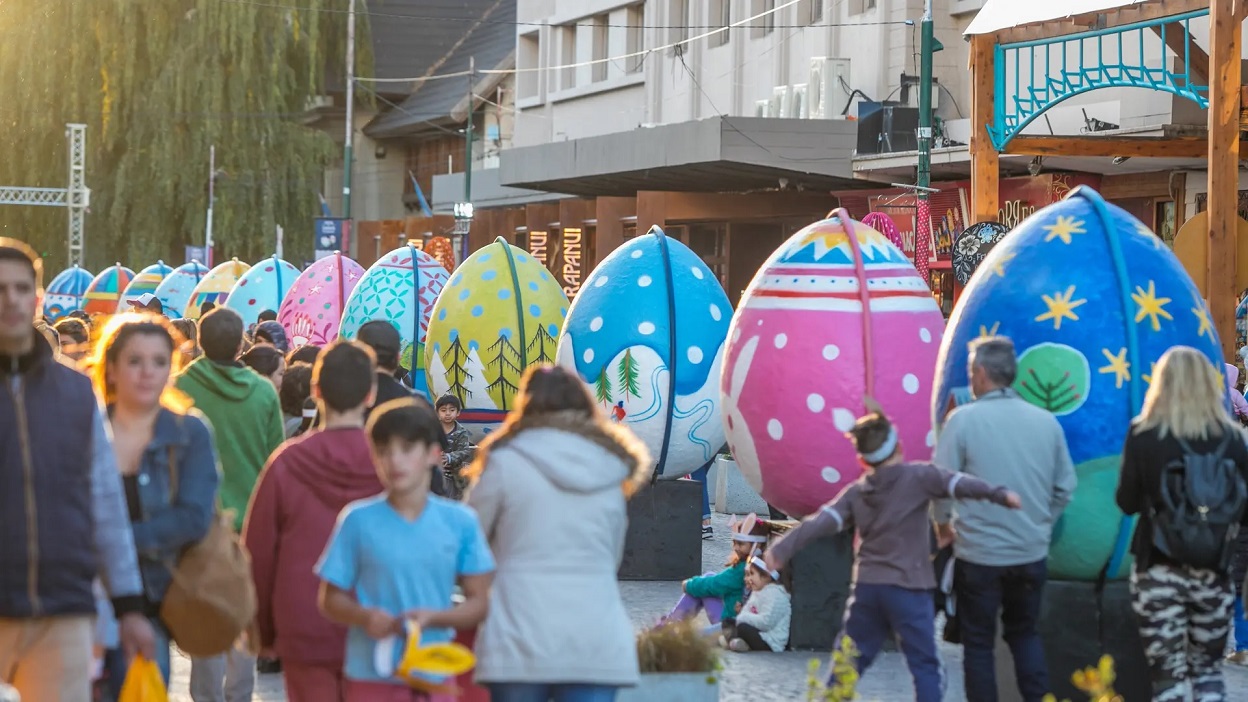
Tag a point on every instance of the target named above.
point(550, 490)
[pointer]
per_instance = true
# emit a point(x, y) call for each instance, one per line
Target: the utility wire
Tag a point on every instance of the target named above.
point(517, 23)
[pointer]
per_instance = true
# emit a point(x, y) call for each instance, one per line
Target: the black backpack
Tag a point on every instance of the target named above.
point(1203, 496)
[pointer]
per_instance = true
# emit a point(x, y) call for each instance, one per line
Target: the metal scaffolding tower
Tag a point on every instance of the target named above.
point(76, 197)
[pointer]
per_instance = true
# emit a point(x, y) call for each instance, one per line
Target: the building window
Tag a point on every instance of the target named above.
point(678, 21)
point(567, 56)
point(721, 16)
point(857, 7)
point(601, 35)
point(634, 39)
point(764, 25)
point(528, 58)
point(810, 11)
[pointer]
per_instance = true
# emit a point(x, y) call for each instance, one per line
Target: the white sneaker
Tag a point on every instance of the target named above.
point(738, 645)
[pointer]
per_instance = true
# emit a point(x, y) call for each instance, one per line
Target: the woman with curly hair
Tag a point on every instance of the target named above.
point(550, 489)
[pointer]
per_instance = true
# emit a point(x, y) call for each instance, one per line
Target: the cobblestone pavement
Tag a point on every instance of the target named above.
point(750, 677)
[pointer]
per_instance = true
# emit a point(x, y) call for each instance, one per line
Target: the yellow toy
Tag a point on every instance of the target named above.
point(423, 667)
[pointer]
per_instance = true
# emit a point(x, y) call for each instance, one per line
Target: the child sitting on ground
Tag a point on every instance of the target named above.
point(893, 579)
point(374, 580)
point(461, 451)
point(720, 594)
point(763, 624)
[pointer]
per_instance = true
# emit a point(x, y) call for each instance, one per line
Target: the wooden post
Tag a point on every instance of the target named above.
point(1224, 88)
point(985, 161)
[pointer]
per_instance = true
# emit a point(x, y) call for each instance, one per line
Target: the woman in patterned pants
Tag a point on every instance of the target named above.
point(1184, 612)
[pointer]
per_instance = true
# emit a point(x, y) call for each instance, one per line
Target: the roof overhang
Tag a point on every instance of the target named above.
point(997, 15)
point(719, 154)
point(487, 192)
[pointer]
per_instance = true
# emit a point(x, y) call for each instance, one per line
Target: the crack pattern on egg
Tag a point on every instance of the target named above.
point(836, 313)
point(651, 352)
point(500, 313)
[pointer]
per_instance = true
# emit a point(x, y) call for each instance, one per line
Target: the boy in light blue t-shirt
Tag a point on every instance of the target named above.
point(398, 556)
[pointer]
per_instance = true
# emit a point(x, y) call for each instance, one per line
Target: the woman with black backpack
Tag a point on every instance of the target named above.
point(1185, 472)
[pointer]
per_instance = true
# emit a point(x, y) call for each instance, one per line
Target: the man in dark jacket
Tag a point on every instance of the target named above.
point(381, 336)
point(63, 514)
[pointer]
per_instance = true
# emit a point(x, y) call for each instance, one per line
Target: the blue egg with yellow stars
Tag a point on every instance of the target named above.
point(1091, 299)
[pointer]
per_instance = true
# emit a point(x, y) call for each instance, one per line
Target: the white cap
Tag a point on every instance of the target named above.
point(142, 300)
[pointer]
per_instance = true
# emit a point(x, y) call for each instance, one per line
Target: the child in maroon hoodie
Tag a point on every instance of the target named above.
point(307, 482)
point(893, 577)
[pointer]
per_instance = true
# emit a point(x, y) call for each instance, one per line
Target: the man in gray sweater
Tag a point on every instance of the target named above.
point(1002, 555)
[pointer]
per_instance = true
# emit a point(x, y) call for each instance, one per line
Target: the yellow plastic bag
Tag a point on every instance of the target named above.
point(143, 683)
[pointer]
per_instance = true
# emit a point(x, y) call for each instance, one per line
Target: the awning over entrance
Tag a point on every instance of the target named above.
point(996, 15)
point(720, 154)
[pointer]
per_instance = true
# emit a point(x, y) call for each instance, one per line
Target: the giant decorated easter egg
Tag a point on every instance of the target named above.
point(401, 288)
point(836, 314)
point(500, 313)
point(647, 333)
point(1091, 299)
point(146, 281)
point(66, 292)
point(174, 292)
point(105, 292)
point(215, 286)
point(262, 287)
point(312, 309)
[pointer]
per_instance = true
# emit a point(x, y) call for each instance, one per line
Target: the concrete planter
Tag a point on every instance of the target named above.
point(672, 687)
point(733, 494)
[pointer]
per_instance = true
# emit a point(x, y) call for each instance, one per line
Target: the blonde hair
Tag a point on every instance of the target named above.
point(120, 329)
point(1186, 398)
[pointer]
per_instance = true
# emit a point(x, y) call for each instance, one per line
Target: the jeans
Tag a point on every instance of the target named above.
point(550, 692)
point(1241, 624)
point(700, 476)
point(875, 611)
point(116, 666)
point(229, 677)
point(688, 607)
point(1014, 594)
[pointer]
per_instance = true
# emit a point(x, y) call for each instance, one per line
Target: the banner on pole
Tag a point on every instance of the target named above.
point(332, 234)
point(197, 253)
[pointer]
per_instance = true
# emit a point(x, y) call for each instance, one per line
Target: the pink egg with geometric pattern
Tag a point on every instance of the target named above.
point(836, 314)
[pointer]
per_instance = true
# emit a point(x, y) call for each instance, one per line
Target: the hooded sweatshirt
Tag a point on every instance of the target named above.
point(246, 419)
point(551, 505)
point(292, 514)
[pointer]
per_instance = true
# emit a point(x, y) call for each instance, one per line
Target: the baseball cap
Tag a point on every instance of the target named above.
point(148, 301)
point(381, 336)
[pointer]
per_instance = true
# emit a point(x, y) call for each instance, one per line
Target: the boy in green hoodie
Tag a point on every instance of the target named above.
point(246, 419)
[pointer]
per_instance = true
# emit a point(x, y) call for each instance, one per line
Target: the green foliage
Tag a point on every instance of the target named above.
point(157, 83)
point(602, 386)
point(1055, 377)
point(628, 373)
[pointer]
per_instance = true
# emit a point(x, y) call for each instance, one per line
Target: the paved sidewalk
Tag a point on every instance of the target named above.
point(748, 677)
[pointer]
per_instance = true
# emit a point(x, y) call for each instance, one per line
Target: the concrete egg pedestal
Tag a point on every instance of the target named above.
point(1069, 627)
point(821, 585)
point(733, 494)
point(664, 540)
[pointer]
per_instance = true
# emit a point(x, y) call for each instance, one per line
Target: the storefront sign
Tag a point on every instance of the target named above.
point(1013, 212)
point(537, 247)
point(571, 261)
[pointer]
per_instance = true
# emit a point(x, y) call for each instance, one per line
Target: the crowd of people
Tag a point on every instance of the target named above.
point(367, 513)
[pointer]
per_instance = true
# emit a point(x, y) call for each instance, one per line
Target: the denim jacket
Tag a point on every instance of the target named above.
point(170, 523)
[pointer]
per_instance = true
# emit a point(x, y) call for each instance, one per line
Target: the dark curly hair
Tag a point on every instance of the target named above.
point(296, 388)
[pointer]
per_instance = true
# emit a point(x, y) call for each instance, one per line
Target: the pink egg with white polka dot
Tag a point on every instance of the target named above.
point(836, 314)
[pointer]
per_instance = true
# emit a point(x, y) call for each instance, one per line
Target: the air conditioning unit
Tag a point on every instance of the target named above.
point(912, 96)
point(761, 107)
point(829, 80)
point(798, 107)
point(779, 106)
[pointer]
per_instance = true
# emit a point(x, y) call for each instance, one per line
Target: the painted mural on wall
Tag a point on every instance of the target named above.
point(312, 309)
point(215, 286)
point(104, 294)
point(972, 246)
point(401, 287)
point(65, 293)
point(262, 287)
point(147, 280)
point(652, 351)
point(501, 312)
point(835, 314)
point(1091, 299)
point(174, 292)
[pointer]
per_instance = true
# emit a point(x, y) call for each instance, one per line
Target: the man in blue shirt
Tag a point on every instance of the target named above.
point(397, 557)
